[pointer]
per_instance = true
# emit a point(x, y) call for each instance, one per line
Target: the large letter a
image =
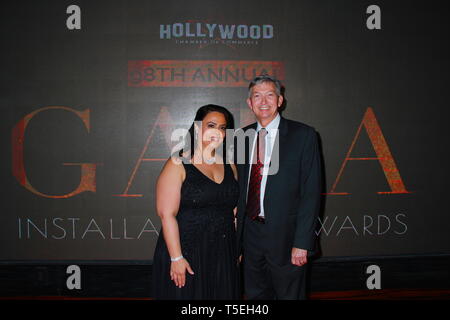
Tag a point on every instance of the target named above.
point(383, 153)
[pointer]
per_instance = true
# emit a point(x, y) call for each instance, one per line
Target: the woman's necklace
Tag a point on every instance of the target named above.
point(210, 160)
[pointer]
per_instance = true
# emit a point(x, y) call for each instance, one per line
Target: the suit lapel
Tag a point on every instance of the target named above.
point(281, 147)
point(248, 145)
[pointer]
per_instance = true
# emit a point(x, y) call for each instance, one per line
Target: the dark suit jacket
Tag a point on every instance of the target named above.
point(292, 195)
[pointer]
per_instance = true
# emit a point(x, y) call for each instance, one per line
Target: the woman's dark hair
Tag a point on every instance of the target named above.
point(199, 116)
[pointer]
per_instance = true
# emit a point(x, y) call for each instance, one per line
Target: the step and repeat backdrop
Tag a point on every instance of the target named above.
point(91, 92)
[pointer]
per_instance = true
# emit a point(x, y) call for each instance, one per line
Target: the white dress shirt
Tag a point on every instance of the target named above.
point(272, 130)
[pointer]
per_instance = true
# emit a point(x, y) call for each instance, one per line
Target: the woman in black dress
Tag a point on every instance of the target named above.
point(196, 197)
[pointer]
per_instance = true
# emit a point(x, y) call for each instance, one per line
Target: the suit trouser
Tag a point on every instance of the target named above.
point(263, 279)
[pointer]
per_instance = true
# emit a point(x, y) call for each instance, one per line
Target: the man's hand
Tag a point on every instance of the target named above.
point(299, 256)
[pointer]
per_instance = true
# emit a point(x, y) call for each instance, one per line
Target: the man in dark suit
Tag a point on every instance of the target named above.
point(279, 178)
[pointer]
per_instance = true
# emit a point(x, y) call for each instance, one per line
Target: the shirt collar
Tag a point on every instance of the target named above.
point(274, 124)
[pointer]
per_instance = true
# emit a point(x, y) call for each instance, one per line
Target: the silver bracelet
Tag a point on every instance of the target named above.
point(176, 259)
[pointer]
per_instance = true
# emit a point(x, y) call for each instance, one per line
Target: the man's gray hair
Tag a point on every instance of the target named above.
point(265, 78)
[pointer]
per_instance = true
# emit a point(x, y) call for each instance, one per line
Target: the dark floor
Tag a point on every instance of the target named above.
point(382, 294)
point(402, 278)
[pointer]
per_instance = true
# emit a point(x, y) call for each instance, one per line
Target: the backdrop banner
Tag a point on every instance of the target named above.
point(92, 92)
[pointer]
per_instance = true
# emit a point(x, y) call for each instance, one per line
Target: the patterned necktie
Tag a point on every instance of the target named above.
point(253, 207)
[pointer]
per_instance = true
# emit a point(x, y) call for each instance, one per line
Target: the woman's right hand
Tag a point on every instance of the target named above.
point(178, 272)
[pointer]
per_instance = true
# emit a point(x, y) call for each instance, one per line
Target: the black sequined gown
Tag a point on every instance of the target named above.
point(208, 242)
